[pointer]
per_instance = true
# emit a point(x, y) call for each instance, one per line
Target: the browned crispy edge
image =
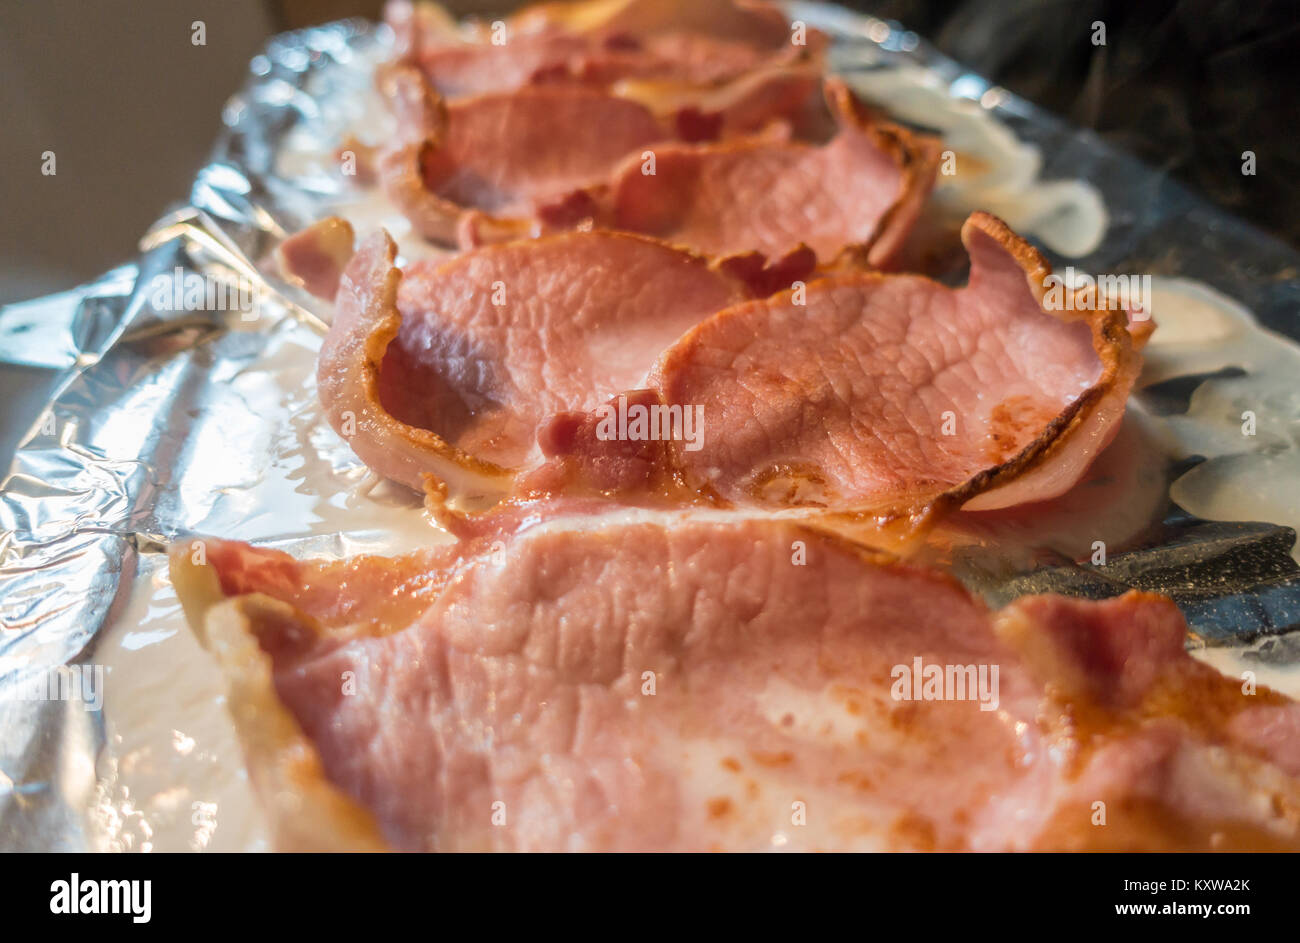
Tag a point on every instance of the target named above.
point(1111, 340)
point(306, 811)
point(1114, 347)
point(376, 342)
point(384, 329)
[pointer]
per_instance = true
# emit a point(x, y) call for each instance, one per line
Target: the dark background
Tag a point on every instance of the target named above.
point(1186, 86)
point(131, 107)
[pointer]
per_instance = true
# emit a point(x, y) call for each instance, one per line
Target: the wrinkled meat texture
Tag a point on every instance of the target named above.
point(509, 154)
point(765, 195)
point(687, 685)
point(862, 190)
point(779, 95)
point(858, 392)
point(503, 153)
point(452, 374)
point(508, 165)
point(881, 393)
point(598, 43)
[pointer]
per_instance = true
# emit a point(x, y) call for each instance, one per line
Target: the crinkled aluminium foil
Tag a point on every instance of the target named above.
point(160, 425)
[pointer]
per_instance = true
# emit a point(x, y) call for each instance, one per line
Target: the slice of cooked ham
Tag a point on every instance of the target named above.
point(504, 155)
point(758, 24)
point(507, 165)
point(598, 42)
point(315, 257)
point(861, 393)
point(868, 391)
point(767, 196)
point(748, 104)
point(451, 375)
point(686, 684)
point(863, 190)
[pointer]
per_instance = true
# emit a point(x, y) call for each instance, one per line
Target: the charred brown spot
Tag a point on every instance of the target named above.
point(1013, 422)
point(781, 758)
point(856, 779)
point(912, 830)
point(1147, 825)
point(791, 484)
point(720, 807)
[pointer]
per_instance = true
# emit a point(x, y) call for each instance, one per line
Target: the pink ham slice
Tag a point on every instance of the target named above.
point(503, 155)
point(451, 375)
point(860, 394)
point(678, 684)
point(315, 257)
point(874, 391)
point(863, 190)
point(888, 398)
point(598, 43)
point(766, 195)
point(756, 24)
point(508, 165)
point(751, 103)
